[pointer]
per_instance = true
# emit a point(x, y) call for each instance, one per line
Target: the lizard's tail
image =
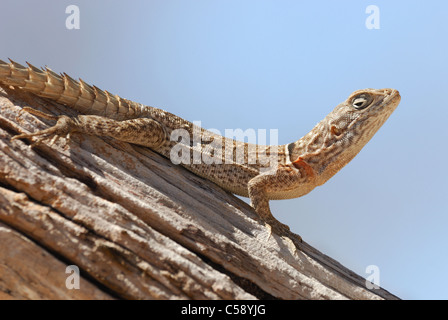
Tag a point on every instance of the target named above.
point(63, 89)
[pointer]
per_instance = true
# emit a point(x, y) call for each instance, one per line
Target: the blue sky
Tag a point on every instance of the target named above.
point(284, 65)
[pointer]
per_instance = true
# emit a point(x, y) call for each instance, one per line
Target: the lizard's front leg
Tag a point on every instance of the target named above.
point(142, 131)
point(285, 178)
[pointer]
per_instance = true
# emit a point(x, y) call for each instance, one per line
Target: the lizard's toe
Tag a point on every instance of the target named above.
point(63, 127)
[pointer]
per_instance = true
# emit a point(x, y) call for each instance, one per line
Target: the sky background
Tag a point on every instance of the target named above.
point(285, 65)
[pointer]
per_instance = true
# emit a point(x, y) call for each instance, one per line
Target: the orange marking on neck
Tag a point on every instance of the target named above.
point(301, 163)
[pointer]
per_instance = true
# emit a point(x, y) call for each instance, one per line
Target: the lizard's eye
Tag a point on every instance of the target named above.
point(361, 101)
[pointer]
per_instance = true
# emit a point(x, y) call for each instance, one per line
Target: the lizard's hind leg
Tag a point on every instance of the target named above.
point(63, 127)
point(142, 131)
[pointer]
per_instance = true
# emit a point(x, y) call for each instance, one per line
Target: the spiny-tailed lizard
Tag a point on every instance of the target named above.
point(260, 172)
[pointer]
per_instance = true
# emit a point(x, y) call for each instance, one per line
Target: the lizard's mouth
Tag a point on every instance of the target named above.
point(389, 100)
point(392, 96)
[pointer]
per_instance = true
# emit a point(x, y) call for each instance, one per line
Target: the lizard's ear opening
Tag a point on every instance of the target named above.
point(361, 101)
point(335, 131)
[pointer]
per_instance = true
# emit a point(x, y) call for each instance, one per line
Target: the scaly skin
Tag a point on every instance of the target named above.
point(261, 172)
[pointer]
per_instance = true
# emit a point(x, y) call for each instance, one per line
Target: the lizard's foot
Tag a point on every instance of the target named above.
point(278, 227)
point(63, 127)
point(281, 229)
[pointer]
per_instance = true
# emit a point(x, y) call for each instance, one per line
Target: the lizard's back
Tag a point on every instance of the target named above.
point(232, 168)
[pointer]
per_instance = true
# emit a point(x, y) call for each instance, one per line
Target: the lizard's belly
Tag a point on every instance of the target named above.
point(235, 179)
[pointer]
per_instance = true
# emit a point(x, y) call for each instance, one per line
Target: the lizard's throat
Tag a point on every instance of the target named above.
point(325, 160)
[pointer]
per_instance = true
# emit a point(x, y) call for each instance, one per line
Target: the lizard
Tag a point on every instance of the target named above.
point(260, 172)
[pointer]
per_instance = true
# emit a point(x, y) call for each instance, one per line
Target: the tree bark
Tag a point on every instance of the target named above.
point(137, 226)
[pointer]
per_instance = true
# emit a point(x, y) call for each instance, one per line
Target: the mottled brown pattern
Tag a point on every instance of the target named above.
point(296, 169)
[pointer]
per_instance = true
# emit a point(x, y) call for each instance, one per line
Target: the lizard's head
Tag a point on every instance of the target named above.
point(346, 130)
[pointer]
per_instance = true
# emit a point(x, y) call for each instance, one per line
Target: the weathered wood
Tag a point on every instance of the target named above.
point(137, 226)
